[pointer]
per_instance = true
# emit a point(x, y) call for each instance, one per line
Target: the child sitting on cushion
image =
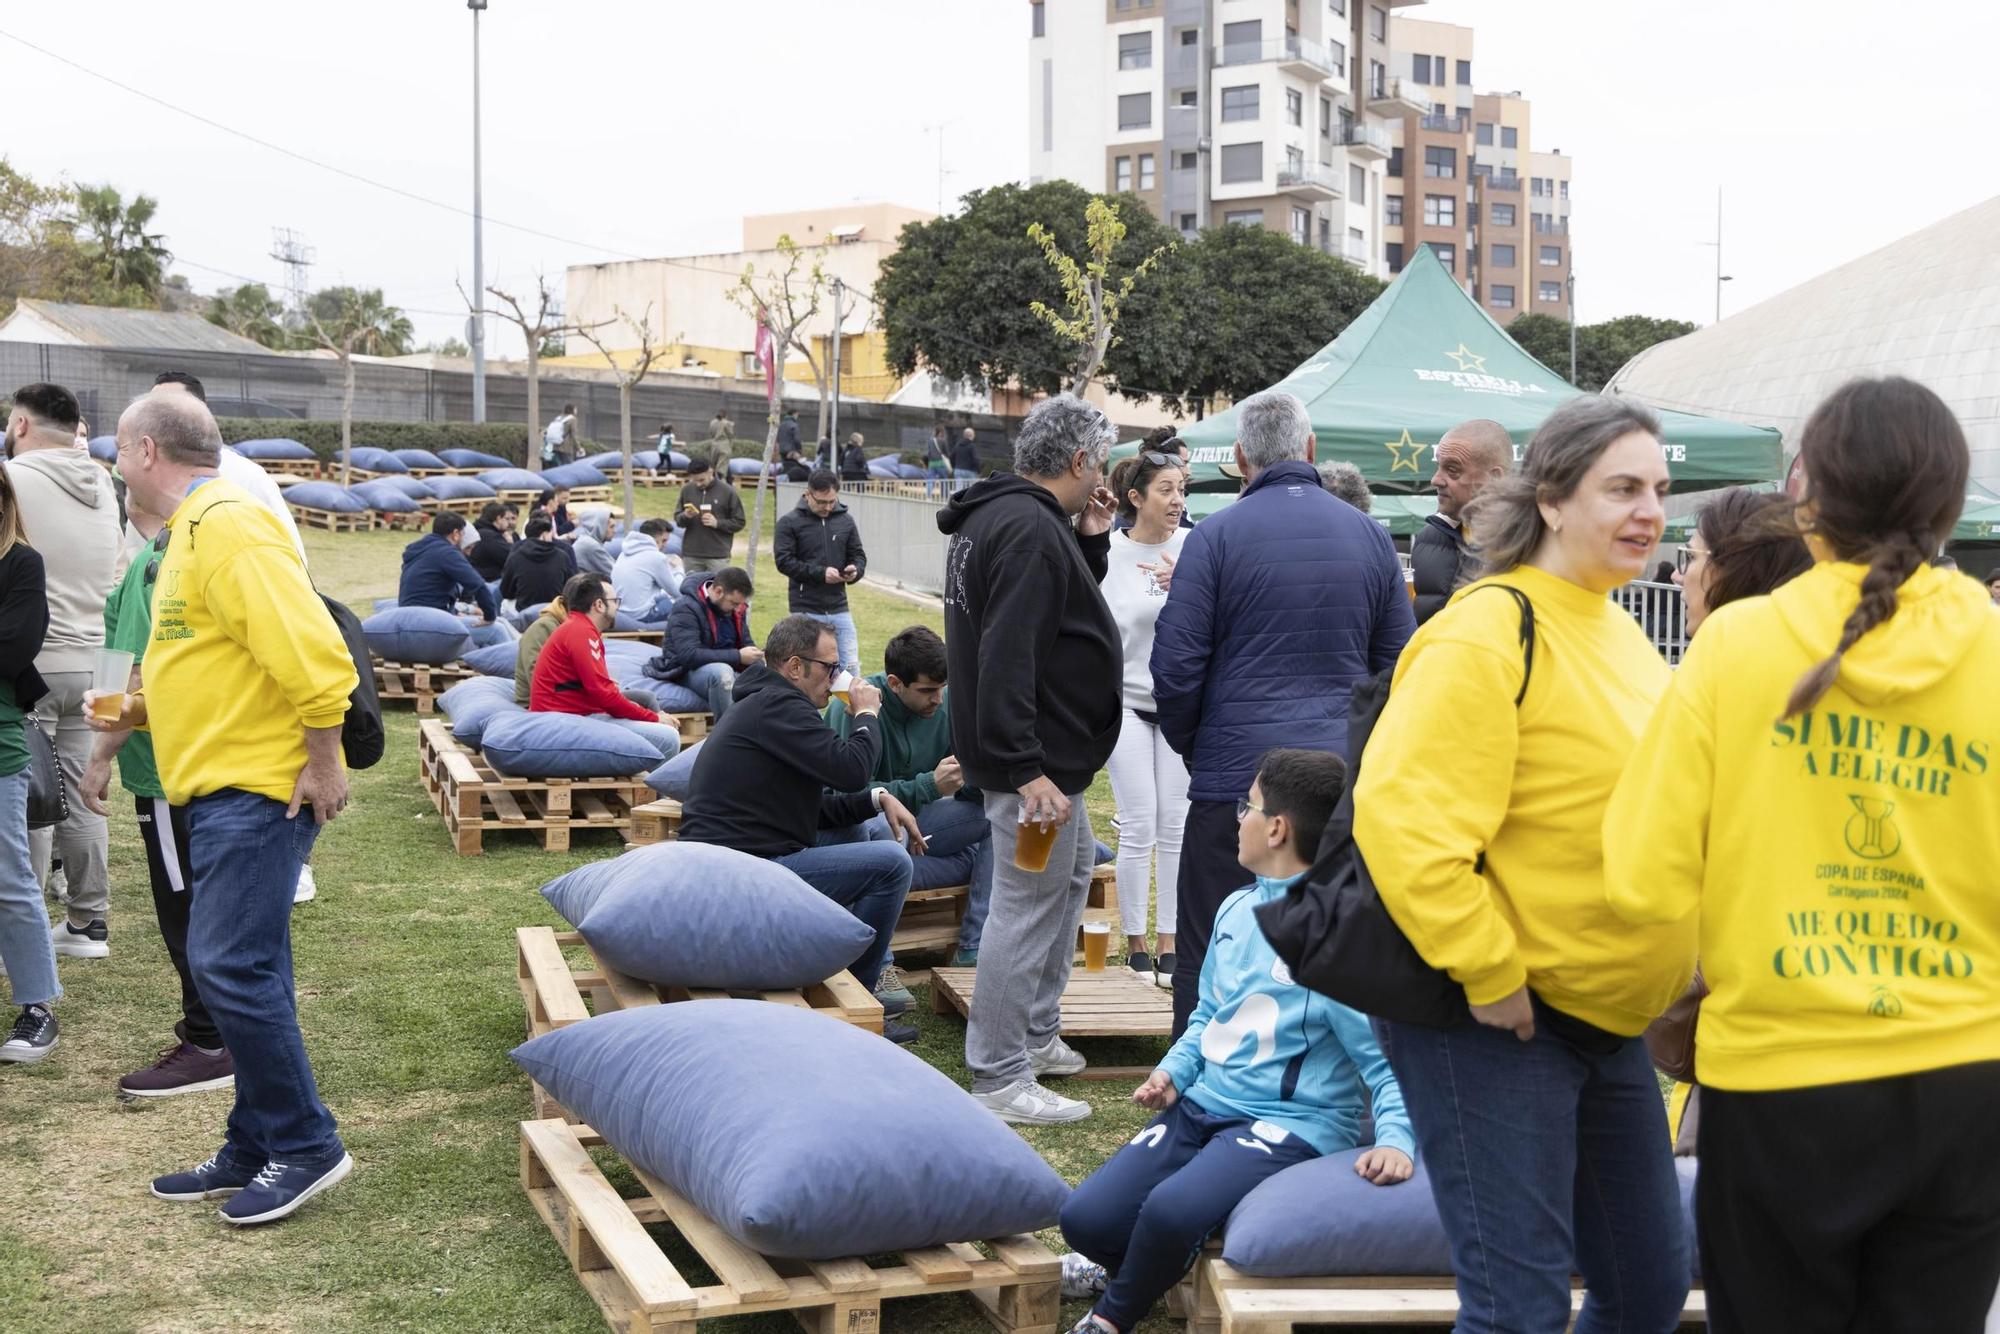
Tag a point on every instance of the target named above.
point(1268, 1074)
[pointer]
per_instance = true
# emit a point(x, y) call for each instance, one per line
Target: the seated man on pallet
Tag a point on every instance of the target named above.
point(773, 780)
point(437, 574)
point(1268, 1074)
point(537, 568)
point(918, 769)
point(569, 676)
point(646, 578)
point(708, 637)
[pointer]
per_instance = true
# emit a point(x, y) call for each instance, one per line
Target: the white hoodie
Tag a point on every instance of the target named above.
point(71, 518)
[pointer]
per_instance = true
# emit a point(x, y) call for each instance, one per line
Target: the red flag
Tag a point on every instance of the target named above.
point(765, 355)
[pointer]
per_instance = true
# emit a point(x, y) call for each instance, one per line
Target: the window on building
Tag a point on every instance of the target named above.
point(1146, 181)
point(1440, 210)
point(1447, 256)
point(1378, 23)
point(1135, 111)
point(1186, 161)
point(1392, 210)
point(1185, 221)
point(1465, 73)
point(1472, 215)
point(1302, 221)
point(1548, 291)
point(1392, 253)
point(1502, 256)
point(1242, 41)
point(1510, 137)
point(1326, 235)
point(1500, 296)
point(1295, 161)
point(1540, 188)
point(1507, 173)
point(1483, 134)
point(1378, 79)
point(1357, 184)
point(1240, 103)
point(1441, 163)
point(1326, 118)
point(1295, 107)
point(1551, 256)
point(1244, 217)
point(1242, 162)
point(1121, 175)
point(1041, 19)
point(1336, 55)
point(1190, 36)
point(1135, 50)
point(1346, 125)
point(1565, 189)
point(1420, 68)
point(1501, 215)
point(1189, 97)
point(1337, 6)
point(1396, 160)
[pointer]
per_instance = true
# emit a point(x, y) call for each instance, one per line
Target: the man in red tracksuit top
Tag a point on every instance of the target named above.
point(570, 676)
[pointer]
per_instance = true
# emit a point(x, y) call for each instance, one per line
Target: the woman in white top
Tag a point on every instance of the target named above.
point(1148, 779)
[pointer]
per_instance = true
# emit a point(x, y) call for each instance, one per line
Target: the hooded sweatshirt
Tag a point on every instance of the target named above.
point(592, 556)
point(537, 571)
point(912, 747)
point(529, 650)
point(1032, 648)
point(1840, 862)
point(71, 517)
point(437, 574)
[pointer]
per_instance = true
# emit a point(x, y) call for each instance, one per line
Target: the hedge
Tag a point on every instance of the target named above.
point(508, 440)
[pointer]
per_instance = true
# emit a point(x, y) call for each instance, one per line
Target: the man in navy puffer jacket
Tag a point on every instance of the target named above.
point(1279, 605)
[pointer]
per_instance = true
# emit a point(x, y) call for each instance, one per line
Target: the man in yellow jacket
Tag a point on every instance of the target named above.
point(246, 684)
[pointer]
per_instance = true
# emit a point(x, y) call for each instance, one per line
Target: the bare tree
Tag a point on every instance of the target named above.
point(1089, 290)
point(781, 301)
point(547, 322)
point(647, 352)
point(345, 321)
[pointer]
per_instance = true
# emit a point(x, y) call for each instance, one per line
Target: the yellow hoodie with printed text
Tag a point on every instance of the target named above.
point(1842, 863)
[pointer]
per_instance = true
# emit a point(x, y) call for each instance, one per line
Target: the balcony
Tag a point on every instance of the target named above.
point(1354, 250)
point(1444, 124)
point(1370, 143)
point(1393, 96)
point(1548, 226)
point(1309, 182)
point(1294, 55)
point(1504, 184)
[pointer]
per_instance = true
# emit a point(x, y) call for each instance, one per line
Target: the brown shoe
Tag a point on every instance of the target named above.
point(182, 1068)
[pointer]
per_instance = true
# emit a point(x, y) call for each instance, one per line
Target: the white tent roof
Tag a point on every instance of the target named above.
point(1927, 306)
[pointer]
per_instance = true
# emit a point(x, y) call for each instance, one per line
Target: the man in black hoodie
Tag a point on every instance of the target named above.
point(539, 567)
point(817, 547)
point(496, 540)
point(1035, 662)
point(773, 780)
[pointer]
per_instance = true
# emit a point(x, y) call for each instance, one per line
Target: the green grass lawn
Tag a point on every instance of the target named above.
point(405, 969)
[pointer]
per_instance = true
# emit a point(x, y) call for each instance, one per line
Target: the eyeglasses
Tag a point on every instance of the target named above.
point(1243, 808)
point(159, 553)
point(1685, 558)
point(831, 667)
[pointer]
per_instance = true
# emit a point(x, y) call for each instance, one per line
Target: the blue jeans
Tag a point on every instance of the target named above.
point(843, 629)
point(964, 474)
point(1146, 1214)
point(868, 879)
point(1547, 1158)
point(958, 850)
point(487, 634)
point(24, 924)
point(246, 857)
point(716, 680)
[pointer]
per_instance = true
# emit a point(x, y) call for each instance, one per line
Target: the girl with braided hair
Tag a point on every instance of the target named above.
point(1820, 790)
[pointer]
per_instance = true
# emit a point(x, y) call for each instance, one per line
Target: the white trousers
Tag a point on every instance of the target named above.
point(1150, 783)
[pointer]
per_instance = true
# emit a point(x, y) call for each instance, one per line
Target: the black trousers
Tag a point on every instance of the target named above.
point(1210, 873)
point(165, 830)
point(1862, 1208)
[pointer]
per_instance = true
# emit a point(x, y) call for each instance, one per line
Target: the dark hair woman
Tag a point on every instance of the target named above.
point(1744, 545)
point(25, 947)
point(1819, 794)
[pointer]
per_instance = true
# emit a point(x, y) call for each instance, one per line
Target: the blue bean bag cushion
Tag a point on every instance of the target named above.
point(416, 488)
point(829, 1143)
point(516, 479)
point(279, 447)
point(494, 660)
point(416, 635)
point(574, 474)
point(472, 458)
point(471, 704)
point(1318, 1219)
point(744, 467)
point(699, 915)
point(459, 488)
point(677, 461)
point(608, 461)
point(325, 496)
point(645, 460)
point(104, 448)
point(419, 458)
point(910, 472)
point(883, 465)
point(672, 778)
point(386, 604)
point(370, 459)
point(385, 497)
point(565, 745)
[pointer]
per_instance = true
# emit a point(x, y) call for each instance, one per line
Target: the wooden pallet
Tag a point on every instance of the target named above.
point(640, 1291)
point(476, 800)
point(692, 726)
point(590, 495)
point(291, 467)
point(932, 917)
point(521, 496)
point(334, 521)
point(408, 520)
point(654, 822)
point(655, 637)
point(1113, 1003)
point(466, 507)
point(419, 683)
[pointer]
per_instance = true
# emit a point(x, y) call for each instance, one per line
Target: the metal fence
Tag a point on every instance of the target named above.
point(1661, 613)
point(900, 532)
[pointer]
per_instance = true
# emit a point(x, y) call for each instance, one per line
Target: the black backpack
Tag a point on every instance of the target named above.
point(362, 736)
point(1331, 928)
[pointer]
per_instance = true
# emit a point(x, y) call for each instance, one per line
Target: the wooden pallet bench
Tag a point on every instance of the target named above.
point(654, 637)
point(590, 495)
point(420, 683)
point(476, 800)
point(333, 521)
point(466, 507)
point(521, 496)
point(654, 822)
point(932, 917)
point(1014, 1281)
point(409, 520)
point(308, 468)
point(1114, 1003)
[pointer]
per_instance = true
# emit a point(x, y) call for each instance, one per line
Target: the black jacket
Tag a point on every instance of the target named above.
point(698, 540)
point(772, 774)
point(536, 572)
point(964, 455)
point(788, 435)
point(489, 554)
point(24, 622)
point(1033, 652)
point(853, 464)
point(697, 634)
point(806, 546)
point(1439, 560)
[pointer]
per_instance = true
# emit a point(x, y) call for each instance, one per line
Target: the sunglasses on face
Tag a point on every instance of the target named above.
point(1161, 460)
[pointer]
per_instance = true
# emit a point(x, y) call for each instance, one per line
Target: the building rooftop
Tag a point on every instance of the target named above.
point(37, 321)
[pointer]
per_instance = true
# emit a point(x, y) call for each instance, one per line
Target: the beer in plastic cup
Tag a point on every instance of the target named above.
point(110, 674)
point(843, 681)
point(1096, 943)
point(1032, 843)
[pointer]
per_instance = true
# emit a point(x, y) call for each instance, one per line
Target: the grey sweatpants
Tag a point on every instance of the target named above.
point(1029, 944)
point(83, 840)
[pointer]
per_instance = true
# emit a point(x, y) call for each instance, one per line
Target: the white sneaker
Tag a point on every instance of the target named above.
point(1057, 1058)
point(306, 888)
point(1024, 1102)
point(1080, 1277)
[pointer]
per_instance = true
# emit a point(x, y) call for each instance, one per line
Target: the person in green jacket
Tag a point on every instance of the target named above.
point(530, 648)
point(918, 769)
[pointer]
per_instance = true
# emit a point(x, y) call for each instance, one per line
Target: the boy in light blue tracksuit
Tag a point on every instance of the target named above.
point(1268, 1074)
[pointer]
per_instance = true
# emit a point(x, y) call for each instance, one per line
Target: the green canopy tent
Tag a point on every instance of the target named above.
point(1978, 523)
point(1424, 357)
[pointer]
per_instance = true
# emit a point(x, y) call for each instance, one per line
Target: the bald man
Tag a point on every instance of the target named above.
point(1471, 456)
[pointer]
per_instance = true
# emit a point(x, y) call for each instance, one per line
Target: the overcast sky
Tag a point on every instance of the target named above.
point(637, 127)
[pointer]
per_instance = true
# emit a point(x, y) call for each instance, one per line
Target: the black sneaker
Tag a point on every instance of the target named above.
point(217, 1179)
point(182, 1068)
point(90, 942)
point(33, 1036)
point(279, 1190)
point(1163, 971)
point(900, 1034)
point(1141, 963)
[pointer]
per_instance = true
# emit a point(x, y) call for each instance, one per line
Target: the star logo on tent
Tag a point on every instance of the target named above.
point(1397, 448)
point(1467, 359)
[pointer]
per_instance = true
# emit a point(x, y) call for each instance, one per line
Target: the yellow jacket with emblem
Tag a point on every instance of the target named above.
point(244, 654)
point(1841, 863)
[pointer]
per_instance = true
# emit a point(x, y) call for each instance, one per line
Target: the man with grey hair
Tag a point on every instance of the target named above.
point(1035, 664)
point(1343, 479)
point(1470, 456)
point(1294, 597)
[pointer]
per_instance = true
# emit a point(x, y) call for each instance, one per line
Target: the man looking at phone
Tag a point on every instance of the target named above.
point(710, 514)
point(817, 547)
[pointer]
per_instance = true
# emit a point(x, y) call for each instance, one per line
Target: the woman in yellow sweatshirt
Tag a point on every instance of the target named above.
point(1818, 791)
point(1479, 821)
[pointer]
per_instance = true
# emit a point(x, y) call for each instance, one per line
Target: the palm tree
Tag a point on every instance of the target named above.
point(249, 311)
point(346, 321)
point(130, 261)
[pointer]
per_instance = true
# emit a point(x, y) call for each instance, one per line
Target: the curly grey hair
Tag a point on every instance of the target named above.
point(1272, 427)
point(1055, 429)
point(1343, 479)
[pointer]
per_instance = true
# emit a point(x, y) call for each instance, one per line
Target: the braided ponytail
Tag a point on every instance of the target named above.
point(1895, 561)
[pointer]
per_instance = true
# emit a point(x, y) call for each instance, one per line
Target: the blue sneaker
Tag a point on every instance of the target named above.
point(217, 1179)
point(279, 1190)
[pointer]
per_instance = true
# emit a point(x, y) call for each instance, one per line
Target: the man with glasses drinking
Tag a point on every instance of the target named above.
point(570, 676)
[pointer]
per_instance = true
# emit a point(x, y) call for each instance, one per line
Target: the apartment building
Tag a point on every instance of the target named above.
point(1465, 179)
point(1270, 113)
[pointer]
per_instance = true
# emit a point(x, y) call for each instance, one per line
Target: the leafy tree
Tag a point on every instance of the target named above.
point(130, 261)
point(450, 347)
point(555, 345)
point(1093, 296)
point(39, 254)
point(250, 311)
point(346, 322)
point(1601, 349)
point(1545, 338)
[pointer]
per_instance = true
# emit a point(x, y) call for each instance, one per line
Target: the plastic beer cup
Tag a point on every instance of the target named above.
point(110, 675)
point(1096, 944)
point(843, 681)
point(1032, 843)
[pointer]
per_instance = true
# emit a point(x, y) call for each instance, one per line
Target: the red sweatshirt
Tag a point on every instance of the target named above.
point(570, 676)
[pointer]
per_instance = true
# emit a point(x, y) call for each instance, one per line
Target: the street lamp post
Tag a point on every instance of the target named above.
point(476, 328)
point(1720, 276)
point(1572, 327)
